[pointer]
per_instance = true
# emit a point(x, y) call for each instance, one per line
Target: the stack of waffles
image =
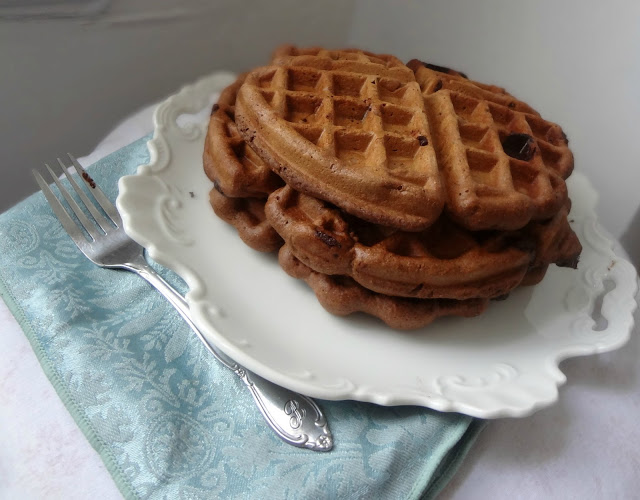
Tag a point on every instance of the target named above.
point(405, 191)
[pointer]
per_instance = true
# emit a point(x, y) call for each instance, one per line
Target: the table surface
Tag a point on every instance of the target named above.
point(584, 446)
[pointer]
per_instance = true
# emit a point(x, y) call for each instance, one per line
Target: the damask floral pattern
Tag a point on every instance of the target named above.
point(168, 421)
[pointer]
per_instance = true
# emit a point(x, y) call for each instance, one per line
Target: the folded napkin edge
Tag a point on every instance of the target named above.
point(431, 484)
point(70, 403)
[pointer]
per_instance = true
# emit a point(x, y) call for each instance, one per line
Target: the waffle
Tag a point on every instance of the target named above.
point(235, 169)
point(348, 127)
point(343, 296)
point(444, 261)
point(247, 216)
point(502, 165)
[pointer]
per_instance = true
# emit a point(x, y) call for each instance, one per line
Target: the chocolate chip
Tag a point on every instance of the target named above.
point(519, 146)
point(438, 86)
point(89, 180)
point(423, 140)
point(327, 239)
point(215, 108)
point(444, 69)
point(435, 67)
point(511, 105)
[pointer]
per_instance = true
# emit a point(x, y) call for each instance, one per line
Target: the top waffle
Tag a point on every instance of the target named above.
point(395, 144)
point(348, 127)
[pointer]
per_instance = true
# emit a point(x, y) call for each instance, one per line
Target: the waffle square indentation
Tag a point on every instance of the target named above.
point(463, 106)
point(395, 119)
point(392, 91)
point(265, 80)
point(348, 85)
point(525, 177)
point(351, 147)
point(349, 112)
point(302, 79)
point(301, 108)
point(482, 167)
point(500, 114)
point(309, 133)
point(475, 135)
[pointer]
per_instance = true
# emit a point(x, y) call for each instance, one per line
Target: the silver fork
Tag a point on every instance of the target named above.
point(295, 418)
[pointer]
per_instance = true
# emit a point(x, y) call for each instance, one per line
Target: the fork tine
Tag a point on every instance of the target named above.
point(84, 220)
point(99, 218)
point(97, 193)
point(58, 209)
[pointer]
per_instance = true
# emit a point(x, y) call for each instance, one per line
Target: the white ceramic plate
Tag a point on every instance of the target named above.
point(502, 363)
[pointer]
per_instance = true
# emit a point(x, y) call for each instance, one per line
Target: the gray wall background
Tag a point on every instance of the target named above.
point(67, 81)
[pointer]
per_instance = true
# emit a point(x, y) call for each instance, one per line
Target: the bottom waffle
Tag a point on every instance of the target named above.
point(341, 295)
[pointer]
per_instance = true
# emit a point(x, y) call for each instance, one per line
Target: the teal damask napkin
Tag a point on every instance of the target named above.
point(168, 421)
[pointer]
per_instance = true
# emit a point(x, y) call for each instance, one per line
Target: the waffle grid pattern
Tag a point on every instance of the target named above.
point(331, 99)
point(485, 185)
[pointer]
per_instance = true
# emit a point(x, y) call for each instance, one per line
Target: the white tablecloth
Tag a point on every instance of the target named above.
point(585, 446)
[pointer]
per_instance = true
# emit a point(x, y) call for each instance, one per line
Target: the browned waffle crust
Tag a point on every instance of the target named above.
point(341, 295)
point(235, 169)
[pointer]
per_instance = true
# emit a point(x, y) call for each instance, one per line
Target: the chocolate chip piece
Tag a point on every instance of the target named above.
point(438, 86)
point(435, 67)
point(444, 69)
point(89, 180)
point(423, 140)
point(215, 108)
point(519, 146)
point(327, 239)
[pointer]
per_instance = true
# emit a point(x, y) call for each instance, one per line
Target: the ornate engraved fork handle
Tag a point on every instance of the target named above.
point(295, 418)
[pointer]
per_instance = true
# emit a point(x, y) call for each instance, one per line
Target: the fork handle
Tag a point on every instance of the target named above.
point(295, 418)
